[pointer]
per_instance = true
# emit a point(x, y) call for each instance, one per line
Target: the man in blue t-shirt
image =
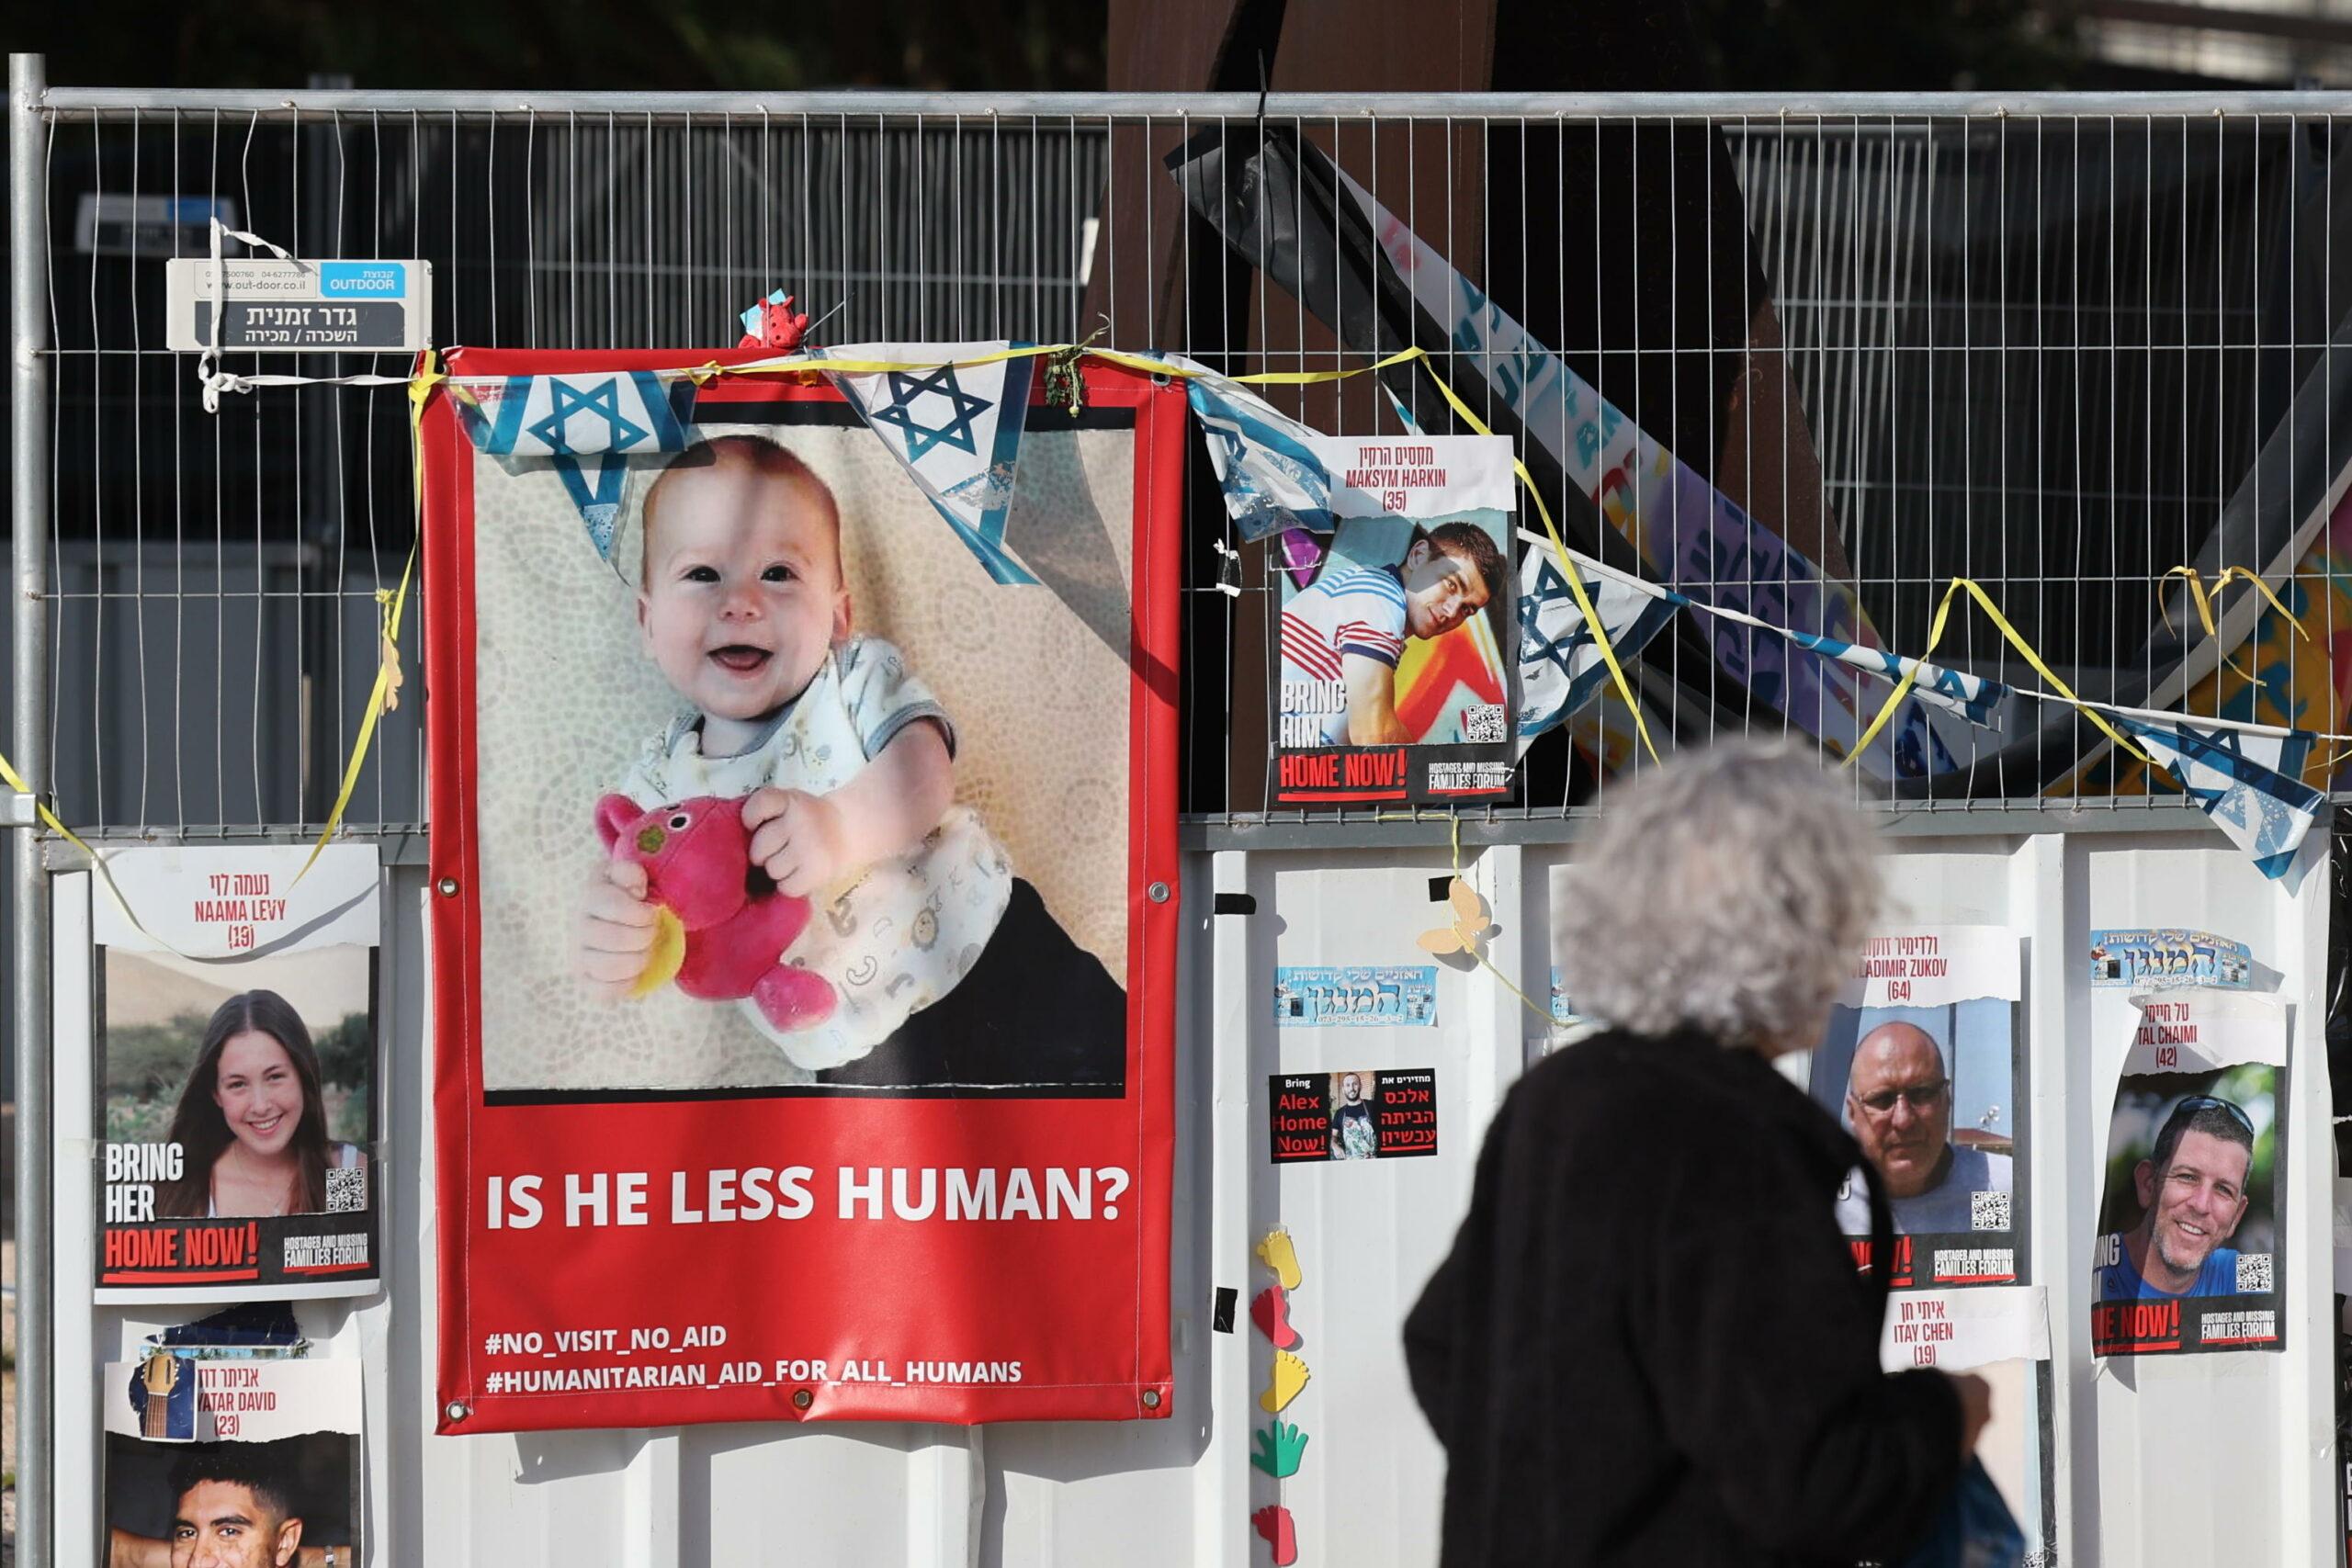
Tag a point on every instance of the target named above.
point(2192, 1191)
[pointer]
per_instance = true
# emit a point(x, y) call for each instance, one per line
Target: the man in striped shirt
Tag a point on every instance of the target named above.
point(1341, 637)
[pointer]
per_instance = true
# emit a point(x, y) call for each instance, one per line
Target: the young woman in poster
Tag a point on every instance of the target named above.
point(252, 1122)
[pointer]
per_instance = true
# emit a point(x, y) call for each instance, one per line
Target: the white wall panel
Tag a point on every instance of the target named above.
point(2163, 1460)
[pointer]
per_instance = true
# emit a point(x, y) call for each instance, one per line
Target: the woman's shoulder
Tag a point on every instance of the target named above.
point(1668, 1095)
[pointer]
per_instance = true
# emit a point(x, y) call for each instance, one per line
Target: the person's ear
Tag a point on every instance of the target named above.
point(1417, 555)
point(289, 1541)
point(2144, 1181)
point(842, 617)
point(2239, 1218)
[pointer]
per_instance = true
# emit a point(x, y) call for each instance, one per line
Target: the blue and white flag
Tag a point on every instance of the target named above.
point(1560, 666)
point(1264, 459)
point(955, 428)
point(2250, 784)
point(1973, 697)
point(585, 427)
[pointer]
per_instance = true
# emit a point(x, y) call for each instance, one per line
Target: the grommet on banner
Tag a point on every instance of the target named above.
point(1151, 1399)
point(802, 1399)
point(447, 887)
point(458, 1410)
point(1157, 891)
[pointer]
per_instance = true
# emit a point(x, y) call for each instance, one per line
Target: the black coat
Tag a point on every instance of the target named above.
point(1650, 1345)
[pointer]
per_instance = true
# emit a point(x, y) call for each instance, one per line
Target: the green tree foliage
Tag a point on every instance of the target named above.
point(347, 1052)
point(150, 1061)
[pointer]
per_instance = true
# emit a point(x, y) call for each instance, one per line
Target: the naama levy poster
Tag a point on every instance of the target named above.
point(917, 1168)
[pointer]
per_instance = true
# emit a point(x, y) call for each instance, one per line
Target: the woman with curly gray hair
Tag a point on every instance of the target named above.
point(1651, 1343)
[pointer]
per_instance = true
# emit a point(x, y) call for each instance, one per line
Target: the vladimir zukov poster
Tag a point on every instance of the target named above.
point(1923, 1063)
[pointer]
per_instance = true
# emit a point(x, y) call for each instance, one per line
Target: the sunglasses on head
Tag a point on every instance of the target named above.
point(2197, 1103)
point(1920, 1095)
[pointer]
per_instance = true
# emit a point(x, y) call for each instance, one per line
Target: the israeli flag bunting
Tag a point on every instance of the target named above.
point(585, 427)
point(1973, 697)
point(2251, 785)
point(1270, 476)
point(1560, 667)
point(955, 428)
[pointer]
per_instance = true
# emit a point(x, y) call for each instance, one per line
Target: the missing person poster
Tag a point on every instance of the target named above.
point(1398, 645)
point(233, 1461)
point(1923, 1063)
point(1351, 1115)
point(806, 831)
point(2187, 1255)
point(237, 1080)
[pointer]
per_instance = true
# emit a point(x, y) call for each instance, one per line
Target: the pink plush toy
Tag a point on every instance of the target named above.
point(722, 925)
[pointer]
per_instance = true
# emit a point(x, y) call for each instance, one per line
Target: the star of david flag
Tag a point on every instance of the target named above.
point(1269, 475)
point(955, 428)
point(1973, 697)
point(584, 427)
point(1560, 667)
point(2251, 785)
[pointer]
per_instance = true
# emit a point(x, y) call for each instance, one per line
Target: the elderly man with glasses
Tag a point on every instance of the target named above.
point(2192, 1191)
point(1899, 1103)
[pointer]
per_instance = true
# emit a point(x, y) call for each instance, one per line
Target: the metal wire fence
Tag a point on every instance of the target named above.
point(2056, 347)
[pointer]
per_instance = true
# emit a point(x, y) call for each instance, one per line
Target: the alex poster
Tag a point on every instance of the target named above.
point(878, 1128)
point(208, 1459)
point(1923, 1063)
point(2189, 1220)
point(1393, 682)
point(238, 1104)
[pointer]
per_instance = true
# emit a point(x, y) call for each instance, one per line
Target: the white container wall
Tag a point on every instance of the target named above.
point(2185, 1459)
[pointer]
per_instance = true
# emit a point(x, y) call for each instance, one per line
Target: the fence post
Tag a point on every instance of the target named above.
point(29, 509)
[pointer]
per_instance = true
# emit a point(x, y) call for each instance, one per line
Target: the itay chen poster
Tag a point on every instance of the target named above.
point(804, 761)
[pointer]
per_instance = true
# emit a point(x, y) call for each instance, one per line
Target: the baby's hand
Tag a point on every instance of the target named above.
point(798, 839)
point(615, 928)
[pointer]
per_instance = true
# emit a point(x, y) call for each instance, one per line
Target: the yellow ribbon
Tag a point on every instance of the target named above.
point(1474, 948)
point(16, 781)
point(2016, 639)
point(704, 374)
point(390, 607)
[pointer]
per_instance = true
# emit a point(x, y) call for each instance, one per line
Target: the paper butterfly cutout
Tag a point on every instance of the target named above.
point(1468, 931)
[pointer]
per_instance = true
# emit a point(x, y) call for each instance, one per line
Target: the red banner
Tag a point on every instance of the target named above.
point(878, 1124)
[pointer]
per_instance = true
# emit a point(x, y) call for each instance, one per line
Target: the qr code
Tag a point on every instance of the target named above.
point(2254, 1272)
point(347, 1191)
point(2041, 1557)
point(1989, 1211)
point(1484, 722)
